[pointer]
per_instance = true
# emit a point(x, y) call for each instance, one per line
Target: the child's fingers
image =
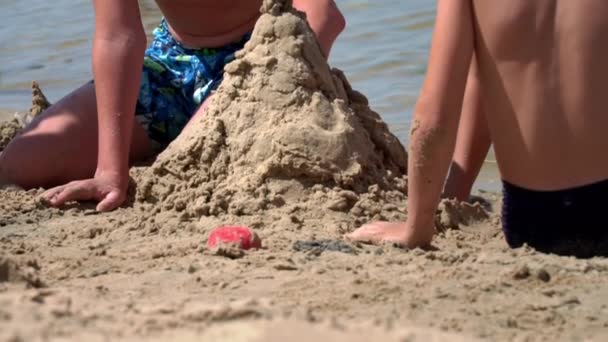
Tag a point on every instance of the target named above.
point(52, 193)
point(110, 202)
point(368, 233)
point(362, 234)
point(83, 191)
point(74, 192)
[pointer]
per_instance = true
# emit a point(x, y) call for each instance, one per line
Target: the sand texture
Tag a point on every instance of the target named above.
point(289, 149)
point(9, 129)
point(283, 130)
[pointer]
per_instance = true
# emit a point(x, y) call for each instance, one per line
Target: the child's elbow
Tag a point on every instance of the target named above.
point(137, 39)
point(134, 38)
point(336, 18)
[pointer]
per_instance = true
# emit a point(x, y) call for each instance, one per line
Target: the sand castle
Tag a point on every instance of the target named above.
point(11, 128)
point(283, 131)
point(282, 128)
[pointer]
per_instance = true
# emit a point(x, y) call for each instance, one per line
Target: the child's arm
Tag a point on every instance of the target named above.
point(472, 142)
point(434, 128)
point(324, 18)
point(118, 50)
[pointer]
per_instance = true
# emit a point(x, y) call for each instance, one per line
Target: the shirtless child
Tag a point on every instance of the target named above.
point(542, 72)
point(89, 138)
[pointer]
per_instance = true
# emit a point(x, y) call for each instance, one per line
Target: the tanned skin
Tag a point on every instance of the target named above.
point(83, 145)
point(472, 142)
point(542, 70)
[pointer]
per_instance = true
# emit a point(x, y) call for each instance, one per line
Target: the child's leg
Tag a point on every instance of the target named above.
point(60, 145)
point(472, 143)
point(200, 111)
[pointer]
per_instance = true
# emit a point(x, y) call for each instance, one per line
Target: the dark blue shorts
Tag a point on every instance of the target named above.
point(175, 82)
point(567, 222)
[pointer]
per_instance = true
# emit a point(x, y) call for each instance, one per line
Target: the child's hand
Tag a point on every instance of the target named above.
point(399, 233)
point(109, 192)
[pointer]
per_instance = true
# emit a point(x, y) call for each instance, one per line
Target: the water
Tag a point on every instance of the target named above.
point(383, 52)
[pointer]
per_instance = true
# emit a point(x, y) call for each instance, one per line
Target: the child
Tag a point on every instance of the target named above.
point(89, 137)
point(542, 72)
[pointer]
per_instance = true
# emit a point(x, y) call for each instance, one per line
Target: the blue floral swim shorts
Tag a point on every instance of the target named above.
point(175, 82)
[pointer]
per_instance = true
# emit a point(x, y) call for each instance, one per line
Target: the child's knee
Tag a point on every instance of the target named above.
point(4, 170)
point(16, 164)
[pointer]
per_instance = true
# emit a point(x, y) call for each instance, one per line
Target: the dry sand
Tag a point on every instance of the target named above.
point(289, 149)
point(11, 124)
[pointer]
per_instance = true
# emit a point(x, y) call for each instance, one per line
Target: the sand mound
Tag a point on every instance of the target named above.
point(281, 127)
point(11, 128)
point(39, 101)
point(453, 214)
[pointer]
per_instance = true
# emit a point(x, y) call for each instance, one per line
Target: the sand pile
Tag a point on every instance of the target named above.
point(11, 128)
point(285, 134)
point(282, 128)
point(453, 214)
point(39, 102)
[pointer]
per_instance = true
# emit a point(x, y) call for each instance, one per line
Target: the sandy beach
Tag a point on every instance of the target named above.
point(73, 274)
point(289, 149)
